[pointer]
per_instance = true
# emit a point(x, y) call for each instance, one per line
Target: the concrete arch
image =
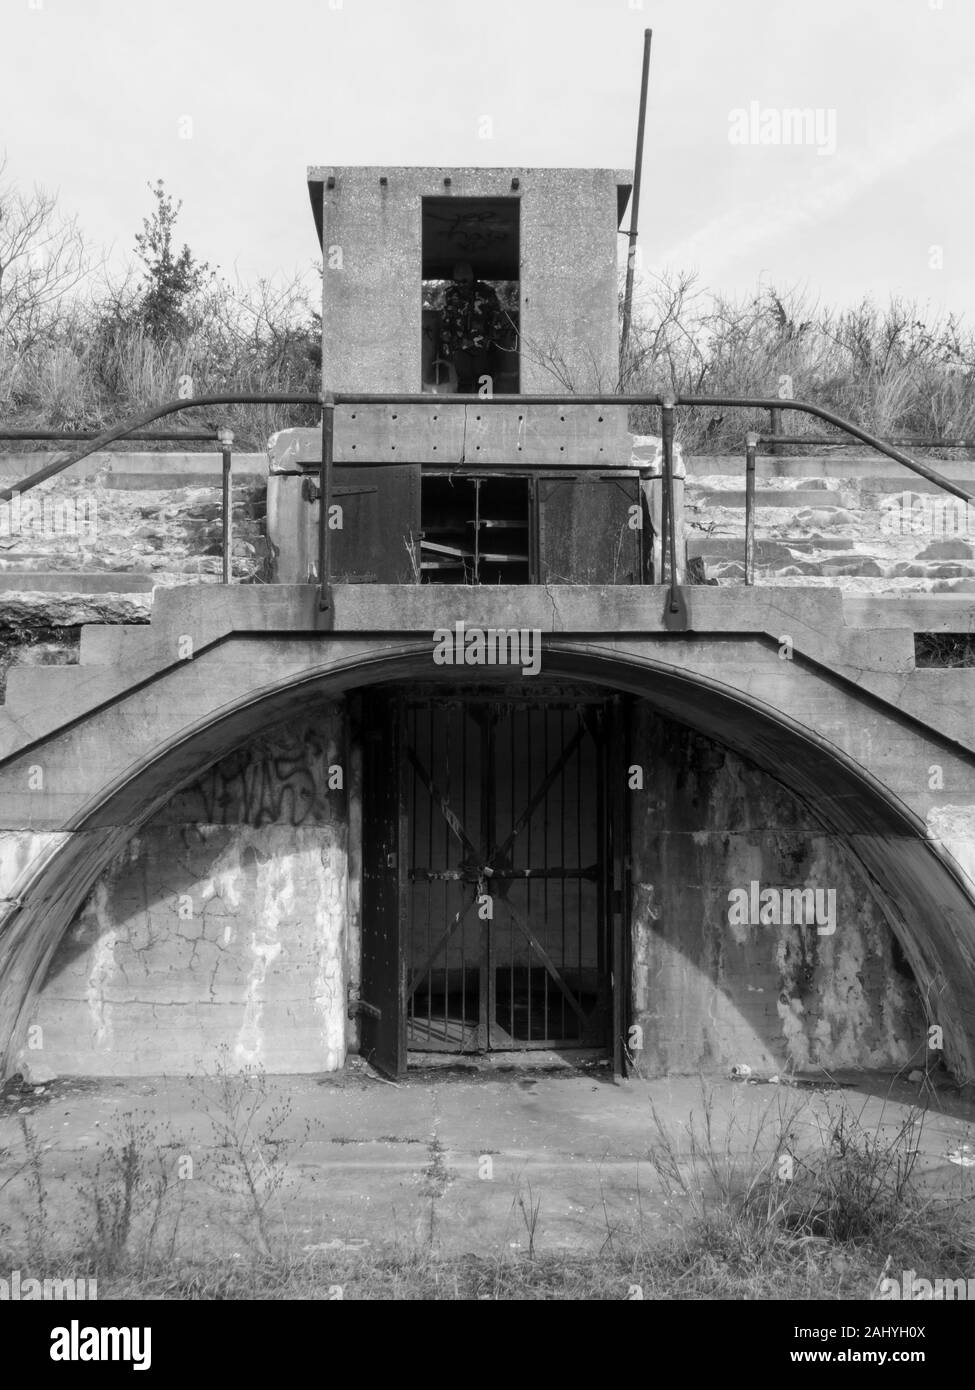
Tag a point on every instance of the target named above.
point(925, 893)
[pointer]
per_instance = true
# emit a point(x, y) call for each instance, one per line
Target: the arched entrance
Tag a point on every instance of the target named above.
point(924, 896)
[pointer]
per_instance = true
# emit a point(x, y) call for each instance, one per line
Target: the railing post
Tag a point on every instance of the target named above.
point(669, 511)
point(225, 437)
point(775, 422)
point(751, 445)
point(645, 487)
point(325, 498)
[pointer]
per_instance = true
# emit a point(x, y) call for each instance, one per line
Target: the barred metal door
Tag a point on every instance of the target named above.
point(508, 911)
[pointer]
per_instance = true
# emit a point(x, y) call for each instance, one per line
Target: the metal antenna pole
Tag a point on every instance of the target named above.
point(635, 213)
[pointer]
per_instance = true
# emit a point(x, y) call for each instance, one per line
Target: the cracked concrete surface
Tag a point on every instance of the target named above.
point(453, 1165)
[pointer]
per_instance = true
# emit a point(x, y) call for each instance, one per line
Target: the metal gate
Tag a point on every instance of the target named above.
point(508, 919)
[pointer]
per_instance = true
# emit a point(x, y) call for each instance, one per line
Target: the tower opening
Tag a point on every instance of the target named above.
point(470, 294)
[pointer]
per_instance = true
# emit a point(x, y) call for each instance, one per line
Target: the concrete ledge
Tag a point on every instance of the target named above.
point(844, 463)
point(192, 619)
point(73, 582)
point(208, 461)
point(919, 612)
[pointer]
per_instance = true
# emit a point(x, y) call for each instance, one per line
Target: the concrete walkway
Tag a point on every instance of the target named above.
point(458, 1162)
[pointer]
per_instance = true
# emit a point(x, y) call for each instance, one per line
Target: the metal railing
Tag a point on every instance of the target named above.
point(755, 442)
point(667, 405)
point(830, 441)
point(213, 436)
point(329, 401)
point(135, 429)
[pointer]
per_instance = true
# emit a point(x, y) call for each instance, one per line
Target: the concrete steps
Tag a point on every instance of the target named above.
point(154, 515)
point(16, 581)
point(825, 519)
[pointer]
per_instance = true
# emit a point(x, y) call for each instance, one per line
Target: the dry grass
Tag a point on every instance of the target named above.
point(791, 1201)
point(894, 370)
point(944, 649)
point(93, 368)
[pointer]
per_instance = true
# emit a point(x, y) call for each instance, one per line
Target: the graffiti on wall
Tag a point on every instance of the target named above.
point(287, 777)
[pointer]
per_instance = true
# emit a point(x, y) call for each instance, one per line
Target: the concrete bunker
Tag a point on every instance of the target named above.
point(330, 866)
point(379, 855)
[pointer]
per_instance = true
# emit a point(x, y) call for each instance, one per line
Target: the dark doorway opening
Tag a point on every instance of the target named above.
point(508, 873)
point(475, 530)
point(483, 234)
point(493, 872)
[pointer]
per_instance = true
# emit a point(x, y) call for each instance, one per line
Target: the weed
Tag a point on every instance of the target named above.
point(249, 1128)
point(530, 1213)
point(805, 1188)
point(127, 1190)
point(36, 1221)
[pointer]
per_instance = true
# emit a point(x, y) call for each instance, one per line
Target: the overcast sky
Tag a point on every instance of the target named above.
point(98, 96)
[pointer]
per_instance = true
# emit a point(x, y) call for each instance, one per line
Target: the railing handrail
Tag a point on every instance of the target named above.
point(127, 427)
point(138, 422)
point(908, 441)
point(329, 400)
point(197, 436)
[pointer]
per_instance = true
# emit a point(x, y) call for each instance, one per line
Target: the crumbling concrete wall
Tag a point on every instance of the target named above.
point(710, 989)
point(222, 925)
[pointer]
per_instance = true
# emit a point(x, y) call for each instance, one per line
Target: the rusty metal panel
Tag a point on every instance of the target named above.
point(585, 534)
point(380, 520)
point(370, 434)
